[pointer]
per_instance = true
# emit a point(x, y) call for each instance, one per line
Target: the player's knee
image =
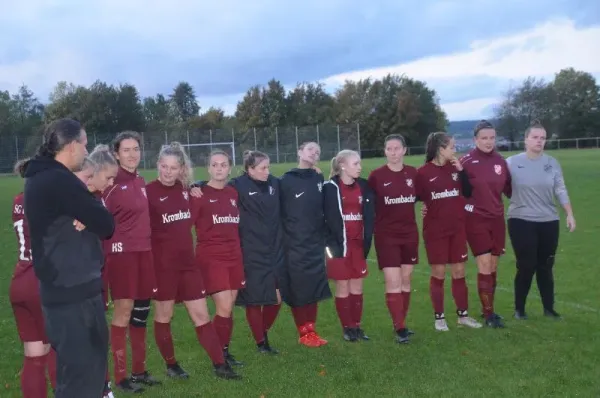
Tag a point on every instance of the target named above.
point(458, 271)
point(140, 313)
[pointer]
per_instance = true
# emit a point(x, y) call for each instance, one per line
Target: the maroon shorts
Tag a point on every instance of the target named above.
point(131, 275)
point(353, 266)
point(24, 296)
point(486, 235)
point(180, 285)
point(220, 277)
point(394, 254)
point(451, 249)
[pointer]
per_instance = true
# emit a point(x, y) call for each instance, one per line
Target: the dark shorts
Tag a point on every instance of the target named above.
point(394, 255)
point(486, 235)
point(353, 266)
point(451, 249)
point(180, 285)
point(131, 275)
point(24, 296)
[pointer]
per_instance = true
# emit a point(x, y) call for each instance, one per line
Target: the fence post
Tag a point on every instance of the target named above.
point(318, 141)
point(338, 137)
point(277, 144)
point(210, 132)
point(17, 146)
point(233, 145)
point(255, 146)
point(144, 149)
point(188, 138)
point(296, 138)
point(166, 139)
point(358, 135)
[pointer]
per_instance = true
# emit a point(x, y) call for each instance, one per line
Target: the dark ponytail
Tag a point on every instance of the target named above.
point(435, 141)
point(57, 135)
point(21, 167)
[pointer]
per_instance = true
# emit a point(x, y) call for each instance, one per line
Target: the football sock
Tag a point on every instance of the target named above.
point(356, 303)
point(485, 288)
point(51, 367)
point(33, 377)
point(395, 306)
point(310, 311)
point(461, 294)
point(436, 291)
point(299, 316)
point(223, 326)
point(269, 313)
point(406, 302)
point(208, 339)
point(164, 342)
point(342, 306)
point(254, 316)
point(118, 346)
point(137, 339)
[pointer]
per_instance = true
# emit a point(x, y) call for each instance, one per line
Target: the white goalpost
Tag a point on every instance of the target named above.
point(199, 153)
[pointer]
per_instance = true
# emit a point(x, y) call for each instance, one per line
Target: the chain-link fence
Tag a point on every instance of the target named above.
point(280, 143)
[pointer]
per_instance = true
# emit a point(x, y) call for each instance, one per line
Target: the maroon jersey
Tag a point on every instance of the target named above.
point(22, 231)
point(439, 187)
point(171, 223)
point(352, 210)
point(127, 202)
point(216, 220)
point(395, 203)
point(489, 176)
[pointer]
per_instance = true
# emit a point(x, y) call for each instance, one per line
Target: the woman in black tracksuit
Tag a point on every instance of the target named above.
point(349, 208)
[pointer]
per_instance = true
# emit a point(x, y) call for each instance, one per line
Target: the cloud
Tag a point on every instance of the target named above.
point(463, 48)
point(541, 51)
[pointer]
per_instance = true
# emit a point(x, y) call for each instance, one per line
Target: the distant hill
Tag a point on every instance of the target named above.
point(462, 128)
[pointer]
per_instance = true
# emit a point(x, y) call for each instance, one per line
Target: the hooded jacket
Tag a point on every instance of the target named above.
point(304, 278)
point(336, 239)
point(67, 262)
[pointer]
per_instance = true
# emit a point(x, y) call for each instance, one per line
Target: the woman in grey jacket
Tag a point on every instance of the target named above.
point(533, 220)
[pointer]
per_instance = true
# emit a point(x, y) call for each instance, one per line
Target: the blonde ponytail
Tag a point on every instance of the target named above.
point(340, 158)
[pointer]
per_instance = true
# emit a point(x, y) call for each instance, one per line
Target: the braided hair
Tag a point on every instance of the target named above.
point(57, 135)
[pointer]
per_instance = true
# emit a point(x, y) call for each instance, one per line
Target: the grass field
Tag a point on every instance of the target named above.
point(534, 358)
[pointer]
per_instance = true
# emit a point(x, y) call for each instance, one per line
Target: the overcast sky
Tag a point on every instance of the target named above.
point(469, 51)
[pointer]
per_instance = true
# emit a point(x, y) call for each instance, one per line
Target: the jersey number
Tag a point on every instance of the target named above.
point(21, 234)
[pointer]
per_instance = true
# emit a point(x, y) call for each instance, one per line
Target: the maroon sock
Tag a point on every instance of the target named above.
point(269, 313)
point(51, 367)
point(164, 342)
point(118, 346)
point(342, 306)
point(33, 377)
point(224, 327)
point(137, 339)
point(208, 339)
point(406, 302)
point(356, 303)
point(299, 314)
point(436, 291)
point(254, 316)
point(494, 282)
point(310, 311)
point(395, 306)
point(460, 293)
point(485, 287)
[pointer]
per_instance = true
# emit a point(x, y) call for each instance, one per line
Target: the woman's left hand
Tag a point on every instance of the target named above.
point(571, 223)
point(456, 163)
point(196, 192)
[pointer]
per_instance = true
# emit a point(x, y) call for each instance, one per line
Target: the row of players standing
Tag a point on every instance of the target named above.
point(259, 202)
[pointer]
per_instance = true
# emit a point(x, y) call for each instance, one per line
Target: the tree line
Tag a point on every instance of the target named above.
point(569, 106)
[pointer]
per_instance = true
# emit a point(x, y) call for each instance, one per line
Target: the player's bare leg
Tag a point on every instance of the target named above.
point(461, 296)
point(163, 313)
point(223, 321)
point(485, 287)
point(436, 292)
point(208, 338)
